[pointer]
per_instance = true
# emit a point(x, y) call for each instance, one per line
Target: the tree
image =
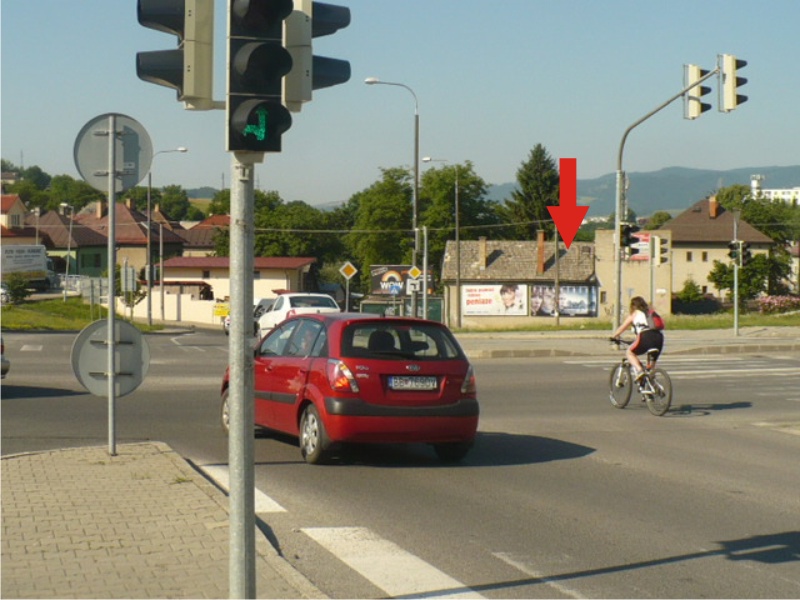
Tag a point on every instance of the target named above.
point(526, 211)
point(753, 278)
point(175, 202)
point(657, 219)
point(382, 227)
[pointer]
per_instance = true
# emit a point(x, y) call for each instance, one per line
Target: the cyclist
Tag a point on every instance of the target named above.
point(646, 338)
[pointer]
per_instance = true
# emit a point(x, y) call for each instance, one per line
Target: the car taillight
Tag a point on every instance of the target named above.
point(341, 377)
point(468, 387)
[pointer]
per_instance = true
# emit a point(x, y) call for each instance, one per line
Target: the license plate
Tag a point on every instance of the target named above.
point(412, 382)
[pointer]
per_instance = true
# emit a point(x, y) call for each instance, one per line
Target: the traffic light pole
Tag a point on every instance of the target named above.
point(241, 454)
point(621, 205)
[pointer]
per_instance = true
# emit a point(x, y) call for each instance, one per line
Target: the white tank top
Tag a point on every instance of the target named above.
point(639, 322)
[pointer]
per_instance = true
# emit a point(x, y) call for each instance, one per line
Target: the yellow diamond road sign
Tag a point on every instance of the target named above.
point(414, 272)
point(348, 270)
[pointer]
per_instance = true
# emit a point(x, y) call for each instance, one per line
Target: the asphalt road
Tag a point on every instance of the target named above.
point(563, 495)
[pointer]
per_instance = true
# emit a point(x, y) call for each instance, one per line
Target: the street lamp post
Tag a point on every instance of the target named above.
point(37, 211)
point(149, 240)
point(66, 206)
point(376, 81)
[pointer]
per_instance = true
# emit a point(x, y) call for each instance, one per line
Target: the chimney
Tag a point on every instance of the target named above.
point(129, 203)
point(713, 207)
point(99, 209)
point(482, 253)
point(540, 252)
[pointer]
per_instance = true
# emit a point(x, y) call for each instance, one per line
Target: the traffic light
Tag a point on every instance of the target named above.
point(746, 255)
point(733, 252)
point(309, 72)
point(257, 62)
point(628, 240)
point(660, 252)
point(693, 105)
point(731, 82)
point(189, 68)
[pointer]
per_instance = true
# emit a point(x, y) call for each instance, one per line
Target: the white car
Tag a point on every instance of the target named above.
point(290, 304)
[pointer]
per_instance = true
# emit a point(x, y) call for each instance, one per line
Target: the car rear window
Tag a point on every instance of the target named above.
point(417, 341)
point(312, 301)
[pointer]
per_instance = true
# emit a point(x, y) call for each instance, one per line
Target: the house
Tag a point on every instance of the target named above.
point(199, 240)
point(12, 217)
point(507, 283)
point(69, 240)
point(700, 235)
point(269, 273)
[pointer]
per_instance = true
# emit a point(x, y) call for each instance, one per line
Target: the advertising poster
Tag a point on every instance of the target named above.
point(494, 300)
point(575, 300)
point(389, 280)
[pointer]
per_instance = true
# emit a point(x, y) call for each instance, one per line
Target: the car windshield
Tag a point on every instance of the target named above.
point(418, 341)
point(312, 301)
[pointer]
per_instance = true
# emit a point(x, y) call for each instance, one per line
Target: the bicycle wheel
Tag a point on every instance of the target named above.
point(659, 401)
point(620, 386)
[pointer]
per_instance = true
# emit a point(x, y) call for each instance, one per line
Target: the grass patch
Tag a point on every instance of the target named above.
point(57, 315)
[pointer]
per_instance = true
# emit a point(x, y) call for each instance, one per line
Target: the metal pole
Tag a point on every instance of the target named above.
point(425, 272)
point(149, 254)
point(69, 247)
point(161, 264)
point(112, 262)
point(416, 198)
point(618, 217)
point(242, 579)
point(736, 262)
point(458, 260)
point(557, 282)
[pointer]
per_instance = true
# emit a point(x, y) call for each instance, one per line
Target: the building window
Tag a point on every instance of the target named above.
point(256, 274)
point(603, 298)
point(688, 257)
point(206, 275)
point(705, 256)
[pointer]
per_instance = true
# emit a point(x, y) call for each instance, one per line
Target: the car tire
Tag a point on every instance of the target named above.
point(225, 414)
point(314, 441)
point(452, 452)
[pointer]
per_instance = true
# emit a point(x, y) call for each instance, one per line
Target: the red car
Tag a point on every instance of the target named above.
point(334, 378)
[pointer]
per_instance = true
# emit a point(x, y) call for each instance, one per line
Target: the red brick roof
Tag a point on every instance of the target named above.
point(223, 262)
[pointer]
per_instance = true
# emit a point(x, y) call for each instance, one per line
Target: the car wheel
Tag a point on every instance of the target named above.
point(314, 442)
point(452, 452)
point(225, 414)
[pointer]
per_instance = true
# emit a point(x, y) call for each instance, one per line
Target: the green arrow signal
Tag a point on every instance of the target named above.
point(260, 130)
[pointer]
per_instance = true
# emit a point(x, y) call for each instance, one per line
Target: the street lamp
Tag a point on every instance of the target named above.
point(149, 239)
point(376, 81)
point(64, 207)
point(458, 242)
point(37, 211)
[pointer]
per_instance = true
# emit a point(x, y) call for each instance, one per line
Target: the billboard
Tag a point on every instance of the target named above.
point(494, 300)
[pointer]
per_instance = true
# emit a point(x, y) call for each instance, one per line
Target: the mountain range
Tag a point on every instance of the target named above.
point(673, 189)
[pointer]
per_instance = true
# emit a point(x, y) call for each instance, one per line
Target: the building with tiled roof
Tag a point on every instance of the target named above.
point(69, 240)
point(269, 273)
point(700, 235)
point(199, 240)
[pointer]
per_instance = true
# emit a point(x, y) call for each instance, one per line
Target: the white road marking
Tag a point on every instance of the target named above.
point(386, 565)
point(517, 564)
point(31, 348)
point(264, 504)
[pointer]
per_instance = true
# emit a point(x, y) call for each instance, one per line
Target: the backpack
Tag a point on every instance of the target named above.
point(654, 320)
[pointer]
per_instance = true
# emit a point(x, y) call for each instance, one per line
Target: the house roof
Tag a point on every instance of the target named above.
point(697, 225)
point(214, 221)
point(130, 226)
point(54, 227)
point(223, 262)
point(518, 261)
point(199, 239)
point(7, 202)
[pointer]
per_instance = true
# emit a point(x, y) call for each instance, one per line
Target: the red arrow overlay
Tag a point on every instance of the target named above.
point(568, 216)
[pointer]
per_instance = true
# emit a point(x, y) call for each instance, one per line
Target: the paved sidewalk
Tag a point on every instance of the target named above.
point(79, 523)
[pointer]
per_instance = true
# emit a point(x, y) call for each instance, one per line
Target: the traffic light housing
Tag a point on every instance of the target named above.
point(660, 252)
point(693, 105)
point(257, 63)
point(746, 255)
point(628, 240)
point(733, 251)
point(309, 20)
point(731, 82)
point(189, 68)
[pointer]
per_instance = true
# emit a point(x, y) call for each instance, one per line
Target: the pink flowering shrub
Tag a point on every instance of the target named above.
point(778, 304)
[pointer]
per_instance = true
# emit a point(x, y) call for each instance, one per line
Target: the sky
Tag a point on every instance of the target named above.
point(491, 79)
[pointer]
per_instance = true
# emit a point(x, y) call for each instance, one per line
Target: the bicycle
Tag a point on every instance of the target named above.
point(655, 387)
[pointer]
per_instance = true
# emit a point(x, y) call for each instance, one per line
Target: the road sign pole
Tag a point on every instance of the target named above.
point(112, 261)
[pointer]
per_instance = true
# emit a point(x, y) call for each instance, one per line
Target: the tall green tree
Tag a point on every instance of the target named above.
point(383, 221)
point(526, 211)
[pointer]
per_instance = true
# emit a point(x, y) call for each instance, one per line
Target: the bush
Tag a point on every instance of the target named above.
point(778, 304)
point(17, 288)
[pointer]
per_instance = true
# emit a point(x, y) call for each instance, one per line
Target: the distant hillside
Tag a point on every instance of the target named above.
point(672, 189)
